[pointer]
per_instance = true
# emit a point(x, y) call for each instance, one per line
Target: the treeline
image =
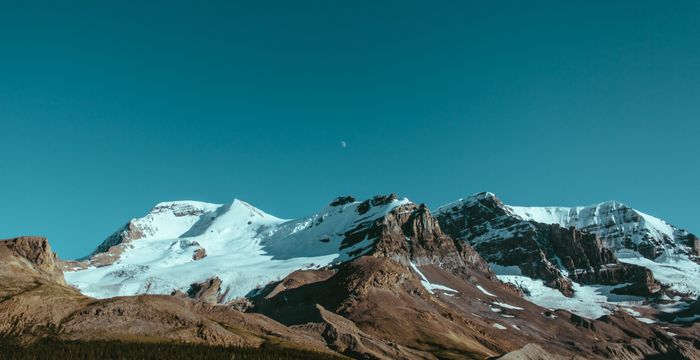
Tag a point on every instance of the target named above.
point(108, 350)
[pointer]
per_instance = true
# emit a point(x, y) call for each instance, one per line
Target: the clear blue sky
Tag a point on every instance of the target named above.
point(108, 107)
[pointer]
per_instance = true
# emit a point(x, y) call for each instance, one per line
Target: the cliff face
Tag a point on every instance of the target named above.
point(587, 261)
point(544, 251)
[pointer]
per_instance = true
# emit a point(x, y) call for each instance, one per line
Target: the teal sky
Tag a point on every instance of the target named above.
point(108, 107)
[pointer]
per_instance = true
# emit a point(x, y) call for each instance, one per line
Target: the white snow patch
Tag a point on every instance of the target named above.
point(676, 271)
point(672, 307)
point(590, 301)
point(499, 326)
point(484, 291)
point(632, 312)
point(645, 320)
point(428, 285)
point(507, 306)
point(686, 319)
point(546, 215)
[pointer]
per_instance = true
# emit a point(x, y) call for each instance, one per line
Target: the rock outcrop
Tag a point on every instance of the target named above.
point(199, 254)
point(207, 291)
point(409, 233)
point(37, 251)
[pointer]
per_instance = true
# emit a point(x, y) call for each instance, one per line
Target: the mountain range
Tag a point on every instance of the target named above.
point(380, 278)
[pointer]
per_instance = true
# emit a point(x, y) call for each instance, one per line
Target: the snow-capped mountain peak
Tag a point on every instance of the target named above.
point(613, 221)
point(178, 244)
point(609, 243)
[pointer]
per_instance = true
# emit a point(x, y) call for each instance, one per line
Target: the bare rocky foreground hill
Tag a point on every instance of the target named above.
point(40, 314)
point(414, 293)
